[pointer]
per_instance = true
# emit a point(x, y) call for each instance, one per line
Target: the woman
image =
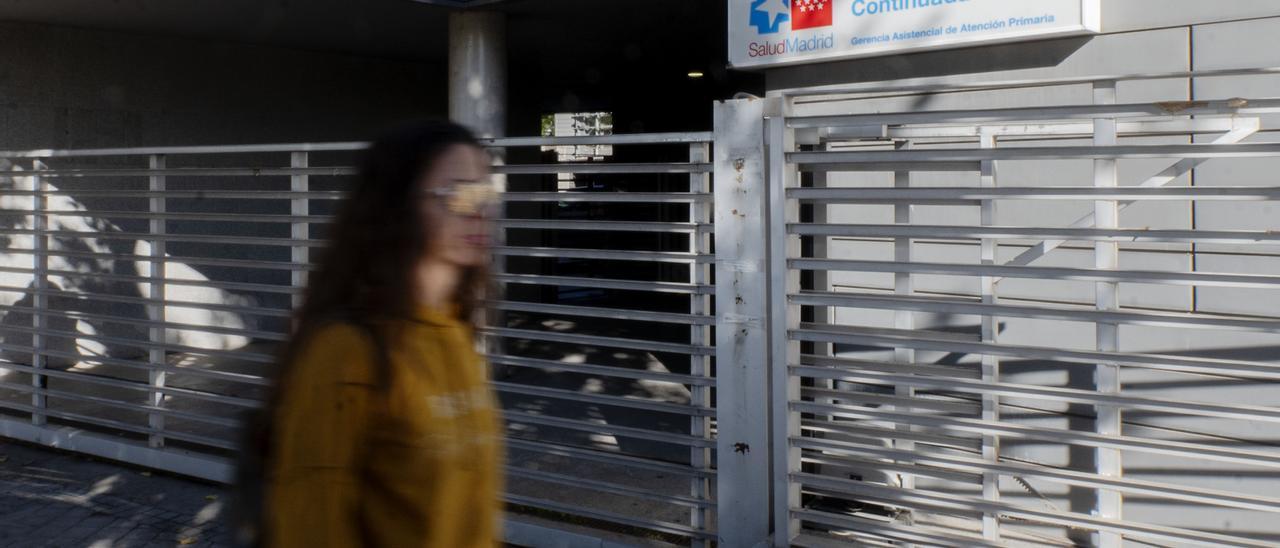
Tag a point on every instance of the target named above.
point(384, 429)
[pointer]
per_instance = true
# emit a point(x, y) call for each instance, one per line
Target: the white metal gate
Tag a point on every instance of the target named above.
point(145, 291)
point(1033, 323)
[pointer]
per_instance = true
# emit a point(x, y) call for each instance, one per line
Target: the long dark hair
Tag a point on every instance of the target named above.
point(380, 236)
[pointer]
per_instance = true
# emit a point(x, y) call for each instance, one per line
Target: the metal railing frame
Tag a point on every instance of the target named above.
point(779, 146)
point(154, 449)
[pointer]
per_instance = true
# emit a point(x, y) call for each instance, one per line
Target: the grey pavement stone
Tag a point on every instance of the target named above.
point(60, 500)
point(59, 525)
point(91, 526)
point(139, 535)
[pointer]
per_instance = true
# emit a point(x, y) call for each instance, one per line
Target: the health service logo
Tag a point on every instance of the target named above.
point(767, 16)
point(810, 14)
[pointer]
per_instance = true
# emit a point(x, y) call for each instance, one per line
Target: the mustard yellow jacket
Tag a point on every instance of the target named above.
point(416, 463)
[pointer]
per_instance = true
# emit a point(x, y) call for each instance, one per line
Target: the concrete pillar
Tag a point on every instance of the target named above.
point(478, 71)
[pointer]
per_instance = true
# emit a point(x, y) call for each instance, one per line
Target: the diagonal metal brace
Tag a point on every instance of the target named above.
point(1242, 129)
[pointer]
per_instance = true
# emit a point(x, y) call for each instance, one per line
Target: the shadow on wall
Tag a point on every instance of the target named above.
point(90, 273)
point(929, 64)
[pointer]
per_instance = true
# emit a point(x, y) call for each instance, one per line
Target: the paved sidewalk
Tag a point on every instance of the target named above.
point(55, 499)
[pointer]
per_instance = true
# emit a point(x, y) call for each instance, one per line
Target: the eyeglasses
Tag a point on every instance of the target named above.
point(469, 198)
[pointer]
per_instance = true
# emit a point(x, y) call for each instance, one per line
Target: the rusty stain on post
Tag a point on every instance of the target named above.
point(1174, 107)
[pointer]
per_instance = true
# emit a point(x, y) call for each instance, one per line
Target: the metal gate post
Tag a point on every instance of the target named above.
point(783, 318)
point(300, 230)
point(39, 297)
point(700, 365)
point(1106, 215)
point(742, 337)
point(905, 321)
point(990, 254)
point(158, 334)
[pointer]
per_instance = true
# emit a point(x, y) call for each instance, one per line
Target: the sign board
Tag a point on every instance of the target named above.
point(782, 32)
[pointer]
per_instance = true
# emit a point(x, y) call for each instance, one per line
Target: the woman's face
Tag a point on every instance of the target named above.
point(461, 199)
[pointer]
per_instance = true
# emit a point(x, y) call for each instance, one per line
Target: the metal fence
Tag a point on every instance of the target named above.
point(145, 292)
point(999, 314)
point(1014, 319)
point(604, 334)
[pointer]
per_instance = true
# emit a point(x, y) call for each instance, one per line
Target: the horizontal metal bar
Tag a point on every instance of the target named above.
point(940, 85)
point(970, 505)
point(607, 429)
point(914, 533)
point(653, 525)
point(183, 150)
point(1207, 279)
point(229, 445)
point(193, 238)
point(1012, 131)
point(137, 407)
point(97, 421)
point(605, 487)
point(107, 423)
point(1092, 315)
point(602, 254)
point(923, 440)
point(252, 311)
point(141, 365)
point(946, 527)
point(602, 457)
point(895, 201)
point(179, 461)
point(211, 397)
point(605, 226)
point(506, 169)
point(915, 403)
point(1239, 237)
point(608, 197)
point(140, 343)
point(599, 312)
point(831, 462)
point(615, 139)
point(596, 340)
point(1228, 107)
point(604, 399)
point(195, 172)
point(606, 283)
point(619, 139)
point(1117, 152)
point(922, 463)
point(893, 165)
point(1048, 393)
point(176, 216)
point(966, 194)
point(808, 538)
point(885, 338)
point(602, 370)
point(585, 168)
point(1070, 437)
point(940, 333)
point(91, 378)
point(143, 322)
point(229, 286)
point(212, 194)
point(187, 260)
point(894, 498)
point(954, 371)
